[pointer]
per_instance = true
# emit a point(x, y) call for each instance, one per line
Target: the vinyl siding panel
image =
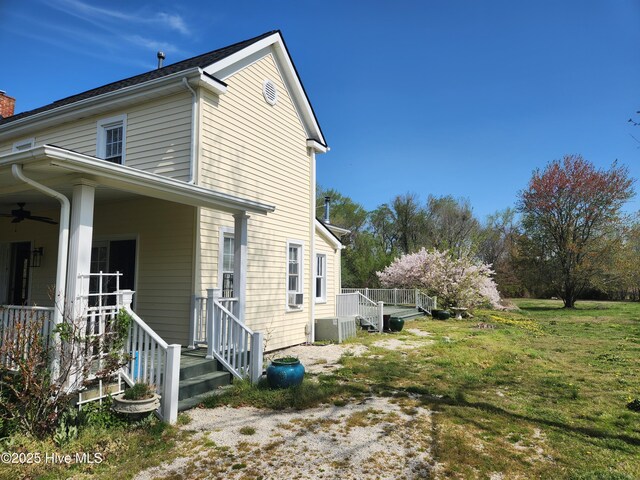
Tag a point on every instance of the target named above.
point(42, 279)
point(328, 309)
point(164, 275)
point(255, 150)
point(158, 135)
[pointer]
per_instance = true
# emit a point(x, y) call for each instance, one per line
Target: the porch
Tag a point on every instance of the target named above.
point(107, 217)
point(370, 305)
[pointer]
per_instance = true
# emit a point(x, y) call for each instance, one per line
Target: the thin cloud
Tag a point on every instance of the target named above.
point(91, 13)
point(151, 44)
point(174, 21)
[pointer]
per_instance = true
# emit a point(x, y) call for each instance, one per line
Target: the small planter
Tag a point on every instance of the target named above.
point(440, 314)
point(285, 372)
point(137, 402)
point(396, 324)
point(136, 408)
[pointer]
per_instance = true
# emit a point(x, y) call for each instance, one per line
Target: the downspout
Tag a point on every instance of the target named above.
point(196, 278)
point(63, 237)
point(312, 301)
point(194, 123)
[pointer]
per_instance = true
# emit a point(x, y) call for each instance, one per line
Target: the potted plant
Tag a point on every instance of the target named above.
point(137, 401)
point(285, 372)
point(440, 314)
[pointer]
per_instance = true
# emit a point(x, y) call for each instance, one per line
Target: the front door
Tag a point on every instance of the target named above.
point(19, 273)
point(110, 257)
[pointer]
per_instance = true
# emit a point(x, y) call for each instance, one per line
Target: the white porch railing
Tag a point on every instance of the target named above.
point(425, 303)
point(152, 361)
point(233, 344)
point(12, 315)
point(397, 296)
point(198, 334)
point(355, 304)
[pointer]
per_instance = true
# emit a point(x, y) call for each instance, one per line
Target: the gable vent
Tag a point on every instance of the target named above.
point(270, 92)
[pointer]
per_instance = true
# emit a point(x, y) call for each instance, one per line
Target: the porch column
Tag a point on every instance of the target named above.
point(240, 262)
point(80, 238)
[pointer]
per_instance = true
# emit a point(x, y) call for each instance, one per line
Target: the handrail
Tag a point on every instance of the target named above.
point(355, 304)
point(396, 296)
point(152, 360)
point(238, 348)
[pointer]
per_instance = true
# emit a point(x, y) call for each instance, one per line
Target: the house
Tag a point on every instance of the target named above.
point(196, 183)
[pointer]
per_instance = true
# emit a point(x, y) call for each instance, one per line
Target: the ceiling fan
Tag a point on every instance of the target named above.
point(21, 214)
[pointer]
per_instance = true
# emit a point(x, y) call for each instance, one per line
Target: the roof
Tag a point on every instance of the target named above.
point(198, 61)
point(50, 159)
point(325, 227)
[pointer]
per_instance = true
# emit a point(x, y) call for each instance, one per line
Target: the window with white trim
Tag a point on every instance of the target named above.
point(295, 262)
point(228, 247)
point(321, 278)
point(25, 144)
point(111, 139)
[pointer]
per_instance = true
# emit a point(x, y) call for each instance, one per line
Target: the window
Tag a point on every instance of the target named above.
point(228, 247)
point(23, 145)
point(294, 275)
point(321, 278)
point(111, 139)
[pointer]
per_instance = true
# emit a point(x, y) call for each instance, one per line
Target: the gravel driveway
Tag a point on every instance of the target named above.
point(378, 438)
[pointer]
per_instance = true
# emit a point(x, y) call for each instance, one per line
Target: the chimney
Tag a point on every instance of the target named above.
point(327, 200)
point(161, 56)
point(7, 105)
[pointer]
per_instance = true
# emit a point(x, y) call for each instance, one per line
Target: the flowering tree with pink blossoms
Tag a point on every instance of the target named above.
point(456, 282)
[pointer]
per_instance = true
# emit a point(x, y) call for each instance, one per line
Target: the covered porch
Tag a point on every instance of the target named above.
point(85, 216)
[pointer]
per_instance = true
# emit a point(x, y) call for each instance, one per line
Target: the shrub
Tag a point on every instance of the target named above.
point(139, 391)
point(458, 282)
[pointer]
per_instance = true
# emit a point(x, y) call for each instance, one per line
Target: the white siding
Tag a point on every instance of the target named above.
point(43, 278)
point(256, 150)
point(158, 135)
point(164, 275)
point(328, 309)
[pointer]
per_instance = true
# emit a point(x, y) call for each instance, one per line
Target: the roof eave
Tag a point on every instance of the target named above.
point(90, 105)
point(329, 235)
point(276, 42)
point(134, 180)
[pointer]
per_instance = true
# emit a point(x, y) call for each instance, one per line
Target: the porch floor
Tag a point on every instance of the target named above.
point(403, 312)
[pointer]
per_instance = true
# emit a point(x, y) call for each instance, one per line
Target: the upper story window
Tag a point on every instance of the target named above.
point(25, 144)
point(111, 139)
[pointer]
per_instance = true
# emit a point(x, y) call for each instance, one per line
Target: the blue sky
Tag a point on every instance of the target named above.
point(432, 97)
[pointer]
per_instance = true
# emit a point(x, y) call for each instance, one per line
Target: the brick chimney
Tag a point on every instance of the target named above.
point(7, 105)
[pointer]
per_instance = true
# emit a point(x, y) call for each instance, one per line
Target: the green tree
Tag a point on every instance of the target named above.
point(571, 218)
point(451, 225)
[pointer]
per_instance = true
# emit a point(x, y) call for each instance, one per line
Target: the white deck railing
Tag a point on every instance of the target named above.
point(397, 296)
point(11, 316)
point(231, 342)
point(355, 304)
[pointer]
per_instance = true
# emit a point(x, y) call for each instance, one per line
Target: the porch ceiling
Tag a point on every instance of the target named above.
point(61, 169)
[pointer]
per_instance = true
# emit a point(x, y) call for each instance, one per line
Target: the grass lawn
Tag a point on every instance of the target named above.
point(538, 393)
point(541, 395)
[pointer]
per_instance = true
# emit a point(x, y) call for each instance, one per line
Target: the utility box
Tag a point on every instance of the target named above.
point(335, 329)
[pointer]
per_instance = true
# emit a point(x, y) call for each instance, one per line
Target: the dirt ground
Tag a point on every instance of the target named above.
point(376, 438)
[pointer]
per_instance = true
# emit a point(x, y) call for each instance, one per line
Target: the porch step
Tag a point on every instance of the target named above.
point(199, 378)
point(202, 384)
point(196, 400)
point(408, 314)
